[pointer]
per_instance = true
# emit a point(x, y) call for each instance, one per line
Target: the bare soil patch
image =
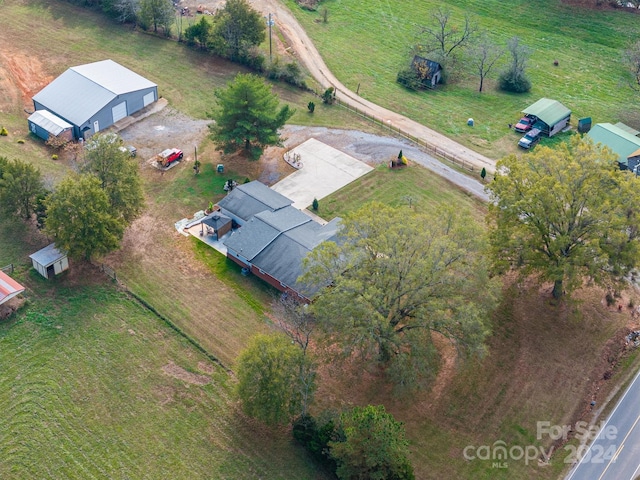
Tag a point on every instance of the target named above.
point(182, 374)
point(21, 77)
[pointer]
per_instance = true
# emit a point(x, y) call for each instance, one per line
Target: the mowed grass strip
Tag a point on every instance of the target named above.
point(588, 45)
point(95, 386)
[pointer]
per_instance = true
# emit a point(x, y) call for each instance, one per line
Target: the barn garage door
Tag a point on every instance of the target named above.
point(148, 98)
point(119, 111)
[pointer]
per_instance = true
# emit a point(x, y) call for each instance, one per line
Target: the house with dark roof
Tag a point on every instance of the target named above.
point(550, 116)
point(91, 98)
point(273, 237)
point(624, 142)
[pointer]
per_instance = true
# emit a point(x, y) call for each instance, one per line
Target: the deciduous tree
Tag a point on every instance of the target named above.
point(632, 61)
point(372, 446)
point(483, 56)
point(442, 39)
point(397, 277)
point(80, 218)
point(248, 116)
point(118, 174)
point(237, 28)
point(514, 78)
point(268, 379)
point(565, 214)
point(20, 186)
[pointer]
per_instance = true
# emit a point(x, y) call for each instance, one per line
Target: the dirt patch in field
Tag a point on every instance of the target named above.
point(182, 374)
point(21, 77)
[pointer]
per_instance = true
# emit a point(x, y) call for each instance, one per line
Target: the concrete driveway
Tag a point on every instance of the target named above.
point(324, 170)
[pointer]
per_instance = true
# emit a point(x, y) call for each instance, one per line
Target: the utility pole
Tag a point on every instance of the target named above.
point(270, 22)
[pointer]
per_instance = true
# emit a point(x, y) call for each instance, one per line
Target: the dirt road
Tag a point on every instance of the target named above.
point(309, 56)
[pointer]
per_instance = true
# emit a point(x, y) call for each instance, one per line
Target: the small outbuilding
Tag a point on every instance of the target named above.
point(216, 224)
point(49, 261)
point(9, 288)
point(429, 71)
point(94, 96)
point(551, 115)
point(45, 125)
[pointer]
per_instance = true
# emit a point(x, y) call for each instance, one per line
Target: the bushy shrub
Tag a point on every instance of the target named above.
point(329, 96)
point(20, 141)
point(311, 106)
point(288, 72)
point(409, 78)
point(54, 157)
point(510, 81)
point(4, 132)
point(315, 439)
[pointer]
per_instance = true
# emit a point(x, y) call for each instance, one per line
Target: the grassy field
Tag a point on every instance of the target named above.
point(88, 382)
point(95, 386)
point(587, 44)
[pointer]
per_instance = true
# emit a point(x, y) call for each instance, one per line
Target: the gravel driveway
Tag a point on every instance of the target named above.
point(170, 128)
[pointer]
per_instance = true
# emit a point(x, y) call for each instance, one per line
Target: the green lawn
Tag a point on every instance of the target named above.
point(587, 44)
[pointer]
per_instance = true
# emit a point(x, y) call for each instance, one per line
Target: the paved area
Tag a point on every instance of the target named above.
point(324, 170)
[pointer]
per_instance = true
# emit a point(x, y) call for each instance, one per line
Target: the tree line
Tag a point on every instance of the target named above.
point(235, 32)
point(88, 211)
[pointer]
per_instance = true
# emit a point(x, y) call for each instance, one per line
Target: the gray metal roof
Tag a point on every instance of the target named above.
point(251, 198)
point(82, 91)
point(48, 255)
point(50, 122)
point(113, 77)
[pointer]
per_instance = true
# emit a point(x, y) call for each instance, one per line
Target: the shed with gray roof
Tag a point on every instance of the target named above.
point(94, 96)
point(45, 125)
point(49, 261)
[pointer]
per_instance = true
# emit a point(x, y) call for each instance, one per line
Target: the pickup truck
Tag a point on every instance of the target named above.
point(530, 139)
point(168, 156)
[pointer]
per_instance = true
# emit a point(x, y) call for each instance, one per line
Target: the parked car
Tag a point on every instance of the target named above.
point(530, 139)
point(133, 151)
point(524, 124)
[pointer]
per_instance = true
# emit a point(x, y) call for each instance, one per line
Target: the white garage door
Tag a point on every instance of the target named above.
point(119, 111)
point(148, 98)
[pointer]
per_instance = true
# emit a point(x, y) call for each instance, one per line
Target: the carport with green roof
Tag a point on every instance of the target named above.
point(552, 114)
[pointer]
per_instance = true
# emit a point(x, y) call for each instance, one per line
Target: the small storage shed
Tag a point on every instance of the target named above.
point(94, 96)
point(45, 124)
point(9, 288)
point(429, 72)
point(554, 115)
point(49, 261)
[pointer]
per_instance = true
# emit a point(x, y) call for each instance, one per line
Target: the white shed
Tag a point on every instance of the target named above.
point(49, 261)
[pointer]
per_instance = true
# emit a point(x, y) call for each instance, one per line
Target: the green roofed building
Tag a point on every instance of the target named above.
point(621, 141)
point(551, 114)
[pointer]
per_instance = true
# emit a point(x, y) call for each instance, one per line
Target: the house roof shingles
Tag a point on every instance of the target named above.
point(251, 198)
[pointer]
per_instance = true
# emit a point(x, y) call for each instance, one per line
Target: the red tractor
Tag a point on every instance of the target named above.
point(168, 156)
